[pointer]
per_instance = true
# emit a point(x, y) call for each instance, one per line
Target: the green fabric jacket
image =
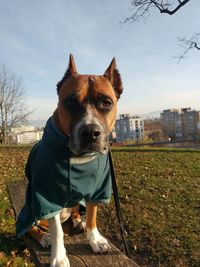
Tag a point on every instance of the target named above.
point(56, 181)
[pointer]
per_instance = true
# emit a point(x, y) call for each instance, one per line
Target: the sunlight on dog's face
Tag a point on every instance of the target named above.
point(87, 111)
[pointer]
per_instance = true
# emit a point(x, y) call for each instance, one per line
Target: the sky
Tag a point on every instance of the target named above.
point(36, 38)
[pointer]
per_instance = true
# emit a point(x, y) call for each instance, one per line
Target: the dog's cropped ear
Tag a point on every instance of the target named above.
point(72, 67)
point(71, 70)
point(113, 75)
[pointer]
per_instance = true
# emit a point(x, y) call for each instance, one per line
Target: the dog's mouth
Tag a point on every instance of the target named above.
point(88, 148)
point(99, 150)
point(89, 138)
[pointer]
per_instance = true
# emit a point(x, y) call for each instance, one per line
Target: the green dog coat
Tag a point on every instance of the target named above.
point(57, 179)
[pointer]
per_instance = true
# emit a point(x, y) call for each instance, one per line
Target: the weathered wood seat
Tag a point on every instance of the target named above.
point(79, 252)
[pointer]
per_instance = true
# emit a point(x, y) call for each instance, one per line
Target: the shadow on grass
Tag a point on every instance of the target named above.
point(9, 243)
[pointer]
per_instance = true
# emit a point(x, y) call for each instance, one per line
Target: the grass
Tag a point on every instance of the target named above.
point(160, 199)
point(160, 196)
point(12, 251)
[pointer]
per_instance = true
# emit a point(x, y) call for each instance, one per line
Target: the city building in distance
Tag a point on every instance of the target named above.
point(25, 135)
point(181, 124)
point(129, 128)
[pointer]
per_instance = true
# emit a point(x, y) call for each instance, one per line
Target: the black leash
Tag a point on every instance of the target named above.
point(117, 206)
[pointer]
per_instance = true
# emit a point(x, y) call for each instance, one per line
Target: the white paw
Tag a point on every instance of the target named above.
point(59, 258)
point(97, 241)
point(60, 262)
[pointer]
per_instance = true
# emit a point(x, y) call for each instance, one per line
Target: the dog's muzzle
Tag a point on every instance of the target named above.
point(89, 138)
point(90, 133)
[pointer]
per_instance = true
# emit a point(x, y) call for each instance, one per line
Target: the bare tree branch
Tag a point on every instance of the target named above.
point(171, 12)
point(13, 109)
point(187, 45)
point(142, 8)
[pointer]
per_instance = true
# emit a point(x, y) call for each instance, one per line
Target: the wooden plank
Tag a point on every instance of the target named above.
point(80, 254)
point(79, 251)
point(17, 192)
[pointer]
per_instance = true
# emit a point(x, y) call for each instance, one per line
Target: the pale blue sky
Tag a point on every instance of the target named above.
point(37, 36)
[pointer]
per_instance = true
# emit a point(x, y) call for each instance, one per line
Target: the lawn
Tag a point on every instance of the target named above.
point(12, 251)
point(160, 199)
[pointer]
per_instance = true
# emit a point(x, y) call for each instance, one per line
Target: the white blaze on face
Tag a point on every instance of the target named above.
point(90, 118)
point(87, 119)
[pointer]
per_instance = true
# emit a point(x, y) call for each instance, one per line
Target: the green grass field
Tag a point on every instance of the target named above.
point(160, 199)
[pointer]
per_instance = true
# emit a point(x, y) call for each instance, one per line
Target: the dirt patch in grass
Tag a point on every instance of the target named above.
point(160, 199)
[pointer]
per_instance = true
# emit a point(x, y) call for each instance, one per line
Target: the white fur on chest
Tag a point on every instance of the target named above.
point(82, 159)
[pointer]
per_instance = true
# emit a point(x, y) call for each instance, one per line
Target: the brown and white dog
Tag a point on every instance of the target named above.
point(86, 113)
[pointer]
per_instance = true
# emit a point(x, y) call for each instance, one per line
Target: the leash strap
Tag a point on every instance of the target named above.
point(117, 206)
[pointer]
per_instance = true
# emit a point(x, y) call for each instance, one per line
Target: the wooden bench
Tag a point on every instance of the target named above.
point(79, 252)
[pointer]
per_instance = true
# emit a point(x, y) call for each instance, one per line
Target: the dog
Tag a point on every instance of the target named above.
point(70, 164)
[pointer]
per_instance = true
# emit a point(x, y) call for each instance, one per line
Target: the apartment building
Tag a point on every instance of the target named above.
point(25, 135)
point(171, 123)
point(181, 124)
point(190, 124)
point(129, 128)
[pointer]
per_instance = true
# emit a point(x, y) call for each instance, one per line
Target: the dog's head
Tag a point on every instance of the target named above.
point(87, 107)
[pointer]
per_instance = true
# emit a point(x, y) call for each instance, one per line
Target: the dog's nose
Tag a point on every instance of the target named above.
point(92, 131)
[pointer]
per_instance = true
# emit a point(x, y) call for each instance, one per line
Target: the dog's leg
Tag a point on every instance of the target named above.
point(75, 215)
point(78, 223)
point(97, 241)
point(58, 252)
point(65, 214)
point(40, 236)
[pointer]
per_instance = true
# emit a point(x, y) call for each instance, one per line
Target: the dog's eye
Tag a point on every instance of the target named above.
point(71, 103)
point(105, 103)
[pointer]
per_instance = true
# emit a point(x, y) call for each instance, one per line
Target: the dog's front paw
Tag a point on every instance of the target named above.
point(60, 262)
point(59, 258)
point(97, 241)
